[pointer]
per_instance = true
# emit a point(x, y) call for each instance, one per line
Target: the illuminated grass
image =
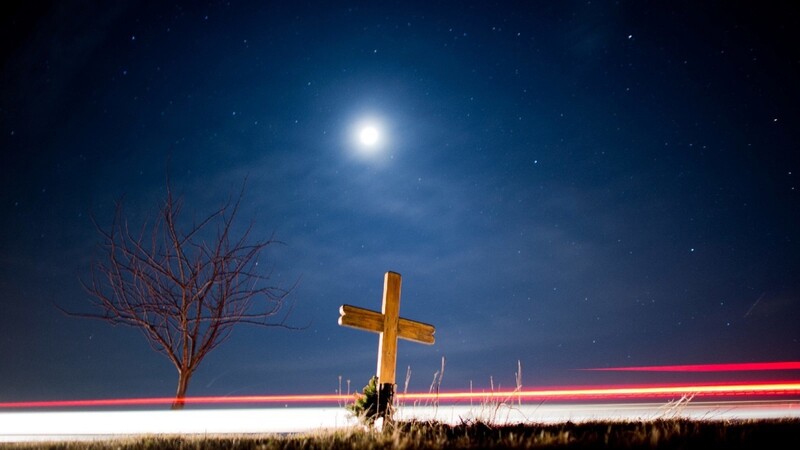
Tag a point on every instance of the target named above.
point(657, 434)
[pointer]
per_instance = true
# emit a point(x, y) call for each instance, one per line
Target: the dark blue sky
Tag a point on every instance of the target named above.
point(567, 184)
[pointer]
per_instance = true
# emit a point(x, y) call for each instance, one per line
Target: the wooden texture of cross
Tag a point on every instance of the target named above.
point(389, 325)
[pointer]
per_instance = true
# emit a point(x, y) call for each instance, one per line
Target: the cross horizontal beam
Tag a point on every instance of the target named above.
point(368, 320)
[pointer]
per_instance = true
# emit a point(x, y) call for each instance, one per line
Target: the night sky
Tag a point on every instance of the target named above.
point(569, 185)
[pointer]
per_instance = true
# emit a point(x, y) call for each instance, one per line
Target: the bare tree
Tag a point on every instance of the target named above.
point(184, 288)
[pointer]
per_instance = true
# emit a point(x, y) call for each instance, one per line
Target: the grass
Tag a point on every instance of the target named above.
point(655, 434)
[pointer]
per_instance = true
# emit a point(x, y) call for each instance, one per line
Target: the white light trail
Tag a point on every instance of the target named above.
point(86, 425)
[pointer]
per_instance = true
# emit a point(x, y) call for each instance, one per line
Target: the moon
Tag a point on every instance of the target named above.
point(369, 136)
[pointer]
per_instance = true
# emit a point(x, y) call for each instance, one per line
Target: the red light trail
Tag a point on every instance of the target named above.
point(735, 367)
point(740, 389)
point(791, 388)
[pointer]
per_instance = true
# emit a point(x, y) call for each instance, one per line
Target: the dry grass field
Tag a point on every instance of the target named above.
point(657, 434)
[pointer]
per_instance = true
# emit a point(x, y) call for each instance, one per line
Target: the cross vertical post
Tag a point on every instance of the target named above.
point(387, 343)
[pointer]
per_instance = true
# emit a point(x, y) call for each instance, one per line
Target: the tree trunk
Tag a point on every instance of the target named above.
point(183, 383)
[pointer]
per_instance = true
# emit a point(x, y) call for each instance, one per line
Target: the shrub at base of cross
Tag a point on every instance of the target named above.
point(374, 403)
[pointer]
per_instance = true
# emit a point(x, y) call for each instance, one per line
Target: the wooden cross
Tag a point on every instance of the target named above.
point(389, 325)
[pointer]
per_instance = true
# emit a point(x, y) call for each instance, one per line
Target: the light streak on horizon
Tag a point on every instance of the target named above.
point(733, 367)
point(62, 426)
point(556, 394)
point(742, 389)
